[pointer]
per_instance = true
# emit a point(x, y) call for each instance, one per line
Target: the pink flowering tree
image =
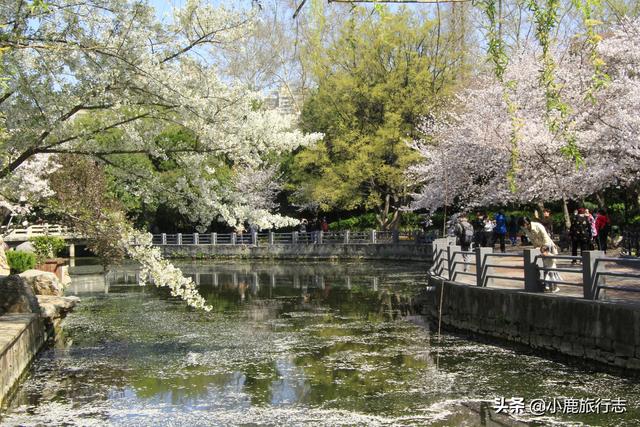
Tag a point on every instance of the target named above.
point(468, 149)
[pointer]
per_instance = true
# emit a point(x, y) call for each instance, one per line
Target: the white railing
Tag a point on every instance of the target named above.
point(525, 270)
point(18, 234)
point(295, 237)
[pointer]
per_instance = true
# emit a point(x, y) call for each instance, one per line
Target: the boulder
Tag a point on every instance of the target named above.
point(26, 247)
point(56, 307)
point(43, 282)
point(4, 264)
point(17, 296)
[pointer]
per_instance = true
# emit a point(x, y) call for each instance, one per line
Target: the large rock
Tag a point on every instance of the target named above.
point(4, 264)
point(26, 247)
point(43, 282)
point(17, 296)
point(55, 307)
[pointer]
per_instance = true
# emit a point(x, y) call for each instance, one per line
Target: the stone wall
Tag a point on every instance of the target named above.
point(31, 308)
point(594, 330)
point(412, 252)
point(21, 336)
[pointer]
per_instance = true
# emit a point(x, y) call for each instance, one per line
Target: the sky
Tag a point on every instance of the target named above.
point(163, 6)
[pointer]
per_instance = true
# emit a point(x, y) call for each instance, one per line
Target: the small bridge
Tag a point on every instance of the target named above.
point(24, 234)
point(15, 236)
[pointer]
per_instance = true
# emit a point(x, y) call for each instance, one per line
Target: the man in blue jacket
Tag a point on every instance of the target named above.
point(501, 229)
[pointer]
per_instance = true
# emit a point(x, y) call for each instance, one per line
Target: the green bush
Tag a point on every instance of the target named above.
point(20, 261)
point(361, 222)
point(47, 246)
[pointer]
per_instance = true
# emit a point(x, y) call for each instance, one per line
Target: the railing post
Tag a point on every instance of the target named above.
point(320, 238)
point(481, 270)
point(439, 249)
point(532, 282)
point(271, 237)
point(254, 238)
point(196, 239)
point(346, 237)
point(233, 238)
point(214, 238)
point(373, 236)
point(294, 237)
point(164, 238)
point(179, 239)
point(451, 260)
point(395, 236)
point(590, 270)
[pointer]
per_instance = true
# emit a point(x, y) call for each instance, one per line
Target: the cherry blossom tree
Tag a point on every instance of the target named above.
point(102, 78)
point(116, 62)
point(468, 150)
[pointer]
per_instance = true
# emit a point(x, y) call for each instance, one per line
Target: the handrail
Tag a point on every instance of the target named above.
point(447, 259)
point(295, 237)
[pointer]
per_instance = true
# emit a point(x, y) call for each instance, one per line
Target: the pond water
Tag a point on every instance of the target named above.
point(289, 343)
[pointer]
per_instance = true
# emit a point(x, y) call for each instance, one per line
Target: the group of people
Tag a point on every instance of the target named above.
point(488, 231)
point(535, 233)
point(588, 232)
point(482, 231)
point(318, 225)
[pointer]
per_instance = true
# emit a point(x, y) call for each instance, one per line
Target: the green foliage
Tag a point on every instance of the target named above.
point(369, 221)
point(495, 45)
point(546, 20)
point(47, 246)
point(20, 261)
point(359, 223)
point(375, 82)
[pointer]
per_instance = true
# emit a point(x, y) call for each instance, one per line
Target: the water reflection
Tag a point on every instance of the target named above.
point(314, 284)
point(287, 343)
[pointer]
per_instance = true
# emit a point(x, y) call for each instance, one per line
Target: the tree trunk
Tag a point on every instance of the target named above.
point(565, 211)
point(395, 221)
point(383, 215)
point(540, 211)
point(601, 200)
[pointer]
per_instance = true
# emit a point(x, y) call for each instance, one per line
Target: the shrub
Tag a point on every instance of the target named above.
point(47, 246)
point(20, 261)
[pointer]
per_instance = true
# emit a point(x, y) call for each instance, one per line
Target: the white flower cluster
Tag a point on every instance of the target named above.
point(160, 272)
point(29, 182)
point(88, 71)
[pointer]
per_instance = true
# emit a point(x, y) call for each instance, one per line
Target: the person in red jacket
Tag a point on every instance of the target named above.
point(324, 225)
point(603, 224)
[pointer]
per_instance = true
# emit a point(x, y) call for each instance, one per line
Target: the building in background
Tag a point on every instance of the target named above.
point(284, 101)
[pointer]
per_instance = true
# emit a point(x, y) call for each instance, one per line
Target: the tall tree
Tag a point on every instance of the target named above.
point(116, 63)
point(383, 72)
point(470, 146)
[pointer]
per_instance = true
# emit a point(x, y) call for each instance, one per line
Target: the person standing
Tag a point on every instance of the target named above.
point(489, 227)
point(603, 225)
point(549, 278)
point(500, 230)
point(513, 230)
point(580, 232)
point(539, 238)
point(464, 232)
point(594, 232)
point(478, 230)
point(324, 225)
point(547, 221)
